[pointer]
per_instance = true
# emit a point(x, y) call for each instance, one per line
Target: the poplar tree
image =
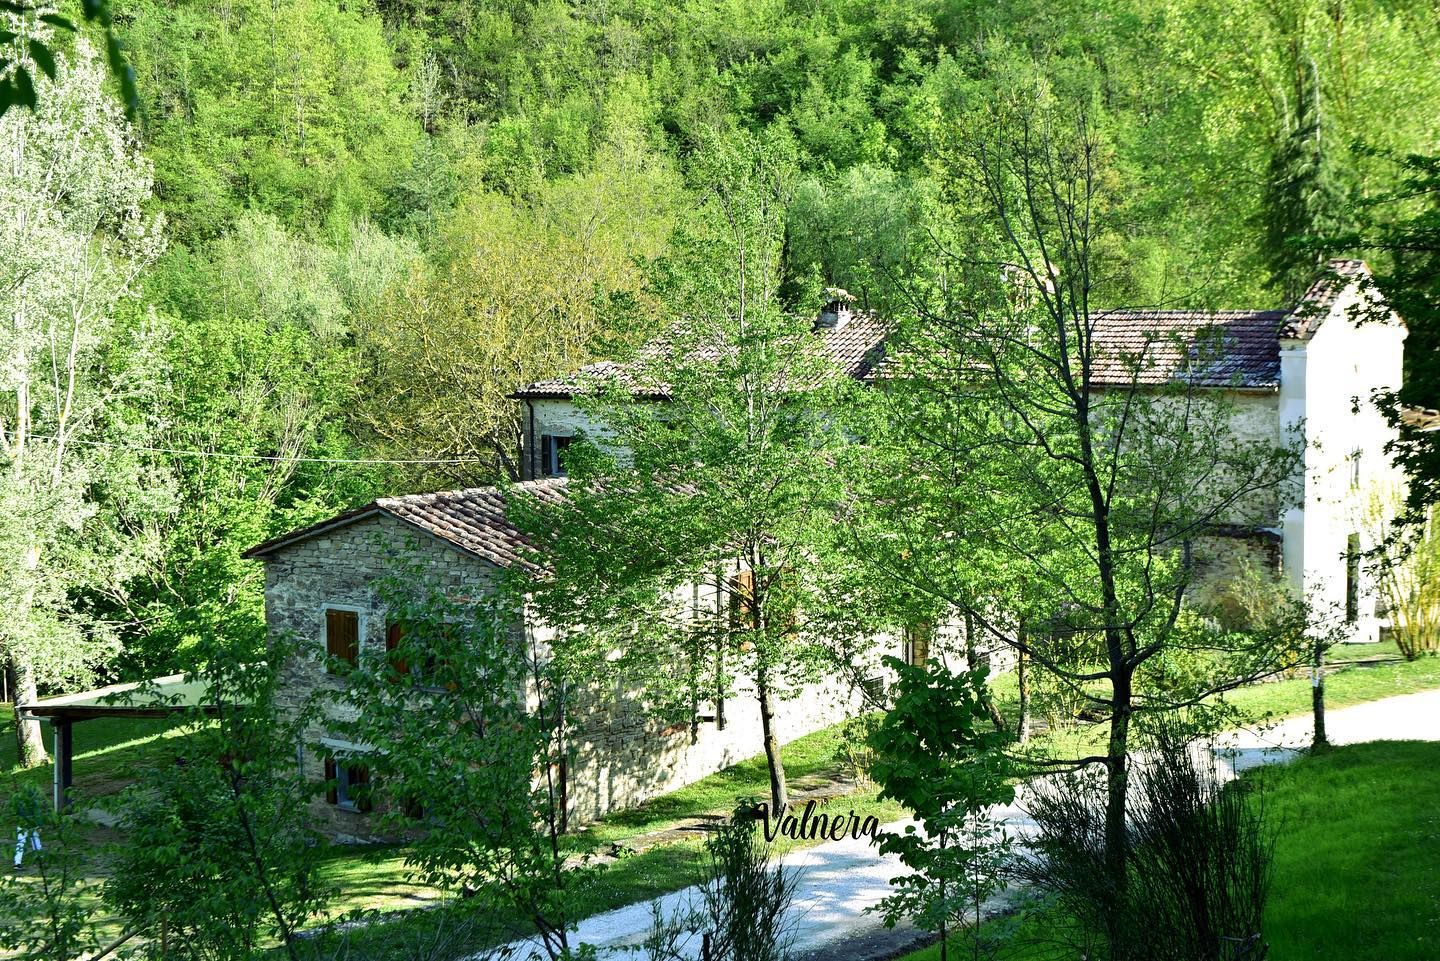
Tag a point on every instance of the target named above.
point(73, 240)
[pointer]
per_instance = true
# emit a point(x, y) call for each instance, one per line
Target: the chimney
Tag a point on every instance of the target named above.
point(838, 311)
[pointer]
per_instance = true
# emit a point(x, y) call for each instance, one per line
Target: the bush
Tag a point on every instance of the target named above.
point(1198, 862)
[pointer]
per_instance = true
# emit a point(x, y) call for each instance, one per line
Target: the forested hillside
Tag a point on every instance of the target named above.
point(367, 222)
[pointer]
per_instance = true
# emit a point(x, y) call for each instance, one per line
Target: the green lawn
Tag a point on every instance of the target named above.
point(103, 749)
point(374, 878)
point(1357, 860)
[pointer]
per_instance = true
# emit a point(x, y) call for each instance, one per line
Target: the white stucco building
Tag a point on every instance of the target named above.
point(1311, 375)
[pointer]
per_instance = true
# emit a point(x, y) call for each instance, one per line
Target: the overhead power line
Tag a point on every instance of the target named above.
point(224, 455)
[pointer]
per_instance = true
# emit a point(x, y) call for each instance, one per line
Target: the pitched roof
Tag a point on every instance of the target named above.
point(1239, 349)
point(472, 520)
point(1225, 348)
point(1315, 306)
point(856, 347)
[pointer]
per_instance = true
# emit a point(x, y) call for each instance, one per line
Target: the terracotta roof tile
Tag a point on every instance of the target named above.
point(1226, 348)
point(856, 347)
point(1315, 306)
point(473, 520)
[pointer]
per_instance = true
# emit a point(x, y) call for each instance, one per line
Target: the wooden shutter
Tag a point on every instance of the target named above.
point(332, 790)
point(394, 634)
point(342, 635)
point(742, 600)
point(918, 643)
point(547, 453)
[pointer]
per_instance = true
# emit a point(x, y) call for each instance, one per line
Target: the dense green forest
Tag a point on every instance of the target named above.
point(366, 222)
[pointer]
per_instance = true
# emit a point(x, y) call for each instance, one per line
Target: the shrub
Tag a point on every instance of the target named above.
point(1198, 862)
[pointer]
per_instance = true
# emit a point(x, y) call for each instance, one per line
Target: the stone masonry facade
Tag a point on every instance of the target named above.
point(620, 755)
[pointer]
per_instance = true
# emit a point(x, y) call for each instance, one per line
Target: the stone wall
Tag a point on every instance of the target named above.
point(343, 568)
point(621, 756)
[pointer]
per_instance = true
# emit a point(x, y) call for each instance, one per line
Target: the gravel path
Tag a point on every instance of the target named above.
point(840, 879)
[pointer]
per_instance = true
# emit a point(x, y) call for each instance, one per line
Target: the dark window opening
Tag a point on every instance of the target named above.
point(552, 460)
point(349, 785)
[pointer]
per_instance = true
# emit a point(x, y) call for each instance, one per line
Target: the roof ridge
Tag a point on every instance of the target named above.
point(478, 490)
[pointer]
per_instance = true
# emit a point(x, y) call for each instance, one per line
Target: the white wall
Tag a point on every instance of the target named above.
point(1327, 384)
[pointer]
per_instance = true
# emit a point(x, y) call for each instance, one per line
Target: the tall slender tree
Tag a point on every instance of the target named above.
point(699, 537)
point(1048, 485)
point(1303, 200)
point(73, 240)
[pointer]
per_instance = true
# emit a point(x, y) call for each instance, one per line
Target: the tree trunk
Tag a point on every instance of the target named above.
point(29, 742)
point(1117, 778)
point(1317, 697)
point(779, 796)
point(1022, 676)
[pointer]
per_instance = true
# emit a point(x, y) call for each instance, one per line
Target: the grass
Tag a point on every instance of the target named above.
point(636, 876)
point(1356, 855)
point(104, 748)
point(1353, 683)
point(1357, 869)
point(375, 878)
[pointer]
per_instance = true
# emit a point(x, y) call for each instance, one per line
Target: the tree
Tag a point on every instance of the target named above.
point(217, 851)
point(47, 917)
point(34, 51)
point(261, 378)
point(73, 240)
point(935, 755)
point(514, 292)
point(1302, 201)
point(1407, 568)
point(700, 529)
point(467, 728)
point(1061, 516)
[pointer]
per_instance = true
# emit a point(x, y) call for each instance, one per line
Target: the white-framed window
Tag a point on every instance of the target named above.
point(344, 627)
point(552, 448)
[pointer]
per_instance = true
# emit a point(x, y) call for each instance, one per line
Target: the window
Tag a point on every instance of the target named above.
point(743, 615)
point(1352, 579)
point(342, 637)
point(394, 634)
point(917, 644)
point(349, 784)
point(552, 461)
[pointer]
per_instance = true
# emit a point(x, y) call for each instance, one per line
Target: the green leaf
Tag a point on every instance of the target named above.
point(24, 88)
point(43, 58)
point(57, 21)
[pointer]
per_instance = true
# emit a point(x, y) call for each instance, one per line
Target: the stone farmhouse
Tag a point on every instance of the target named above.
point(1311, 370)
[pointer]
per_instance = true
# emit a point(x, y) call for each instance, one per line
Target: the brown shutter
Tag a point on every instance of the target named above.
point(394, 634)
point(742, 600)
point(332, 792)
point(342, 635)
